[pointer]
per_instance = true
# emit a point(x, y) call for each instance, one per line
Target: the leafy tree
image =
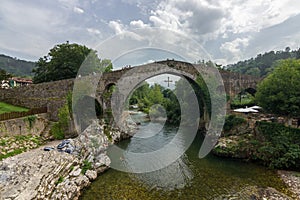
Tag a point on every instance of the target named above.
point(147, 96)
point(253, 71)
point(64, 60)
point(139, 93)
point(155, 96)
point(4, 75)
point(279, 93)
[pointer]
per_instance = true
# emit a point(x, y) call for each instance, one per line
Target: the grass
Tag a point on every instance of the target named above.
point(21, 140)
point(86, 166)
point(13, 153)
point(60, 180)
point(7, 108)
point(3, 142)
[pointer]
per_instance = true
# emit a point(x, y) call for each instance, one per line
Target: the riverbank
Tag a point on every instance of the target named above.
point(35, 174)
point(269, 144)
point(40, 174)
point(54, 174)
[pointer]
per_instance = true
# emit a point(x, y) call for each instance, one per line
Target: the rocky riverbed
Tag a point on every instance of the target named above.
point(35, 174)
point(55, 174)
point(292, 180)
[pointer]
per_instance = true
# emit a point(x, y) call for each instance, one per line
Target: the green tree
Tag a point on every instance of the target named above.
point(155, 96)
point(253, 71)
point(139, 95)
point(64, 60)
point(4, 75)
point(279, 93)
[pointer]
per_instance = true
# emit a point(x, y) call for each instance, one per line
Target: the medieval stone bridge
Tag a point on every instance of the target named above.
point(52, 94)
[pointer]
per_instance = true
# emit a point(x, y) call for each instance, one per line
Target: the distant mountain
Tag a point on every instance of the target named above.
point(263, 64)
point(16, 67)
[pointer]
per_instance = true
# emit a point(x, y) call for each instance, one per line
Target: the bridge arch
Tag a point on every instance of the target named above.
point(199, 92)
point(251, 91)
point(129, 79)
point(89, 108)
point(128, 82)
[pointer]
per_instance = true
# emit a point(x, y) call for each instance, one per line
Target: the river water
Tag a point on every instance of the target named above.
point(187, 178)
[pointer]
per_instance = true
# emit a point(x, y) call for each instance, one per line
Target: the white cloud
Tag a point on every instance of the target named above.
point(117, 26)
point(252, 16)
point(26, 27)
point(234, 49)
point(138, 24)
point(189, 17)
point(211, 19)
point(78, 10)
point(94, 31)
point(68, 3)
point(228, 29)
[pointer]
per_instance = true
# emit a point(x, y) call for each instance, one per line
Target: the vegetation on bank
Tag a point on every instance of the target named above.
point(6, 108)
point(279, 93)
point(271, 144)
point(86, 165)
point(13, 145)
point(232, 121)
point(279, 146)
point(60, 128)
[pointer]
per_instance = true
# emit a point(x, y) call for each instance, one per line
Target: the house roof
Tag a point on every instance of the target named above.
point(21, 80)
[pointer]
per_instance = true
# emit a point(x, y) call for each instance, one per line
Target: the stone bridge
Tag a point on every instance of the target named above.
point(52, 94)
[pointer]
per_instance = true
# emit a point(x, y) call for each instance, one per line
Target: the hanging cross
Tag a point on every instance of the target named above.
point(168, 81)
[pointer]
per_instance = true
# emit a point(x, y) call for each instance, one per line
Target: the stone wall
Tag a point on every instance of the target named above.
point(51, 95)
point(235, 82)
point(23, 126)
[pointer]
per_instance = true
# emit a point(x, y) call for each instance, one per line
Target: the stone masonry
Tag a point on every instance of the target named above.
point(52, 94)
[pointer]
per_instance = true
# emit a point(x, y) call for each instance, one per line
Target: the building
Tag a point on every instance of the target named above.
point(17, 82)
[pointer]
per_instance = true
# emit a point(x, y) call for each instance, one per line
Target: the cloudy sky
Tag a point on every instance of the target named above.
point(228, 30)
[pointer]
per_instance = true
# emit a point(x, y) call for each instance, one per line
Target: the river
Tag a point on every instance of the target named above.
point(188, 178)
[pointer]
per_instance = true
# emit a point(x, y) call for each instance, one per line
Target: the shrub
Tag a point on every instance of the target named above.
point(60, 180)
point(59, 128)
point(31, 119)
point(232, 121)
point(64, 115)
point(107, 130)
point(57, 132)
point(280, 147)
point(86, 166)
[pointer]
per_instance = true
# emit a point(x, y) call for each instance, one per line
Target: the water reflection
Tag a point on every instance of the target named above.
point(175, 176)
point(150, 154)
point(151, 137)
